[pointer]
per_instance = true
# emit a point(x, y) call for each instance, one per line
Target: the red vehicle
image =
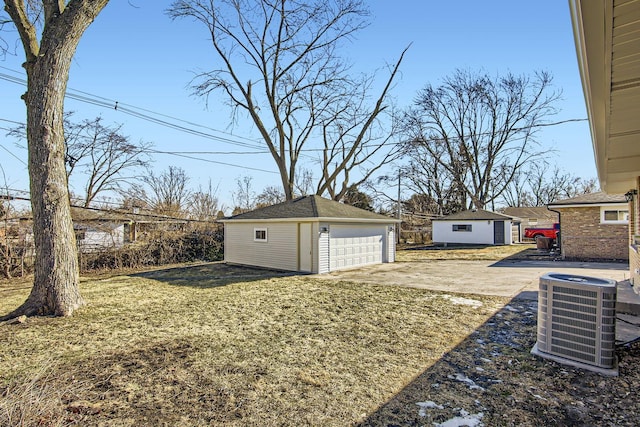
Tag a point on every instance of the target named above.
point(534, 233)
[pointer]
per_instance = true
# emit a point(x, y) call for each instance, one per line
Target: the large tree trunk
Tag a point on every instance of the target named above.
point(56, 275)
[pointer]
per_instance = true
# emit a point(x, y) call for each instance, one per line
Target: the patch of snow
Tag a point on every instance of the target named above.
point(464, 379)
point(464, 420)
point(427, 405)
point(485, 360)
point(463, 301)
point(479, 369)
point(513, 310)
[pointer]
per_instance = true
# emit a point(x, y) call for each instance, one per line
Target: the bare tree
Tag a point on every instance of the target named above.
point(271, 195)
point(425, 175)
point(280, 65)
point(481, 130)
point(96, 155)
point(244, 198)
point(166, 193)
point(357, 198)
point(540, 185)
point(517, 193)
point(50, 32)
point(205, 204)
point(102, 154)
point(6, 247)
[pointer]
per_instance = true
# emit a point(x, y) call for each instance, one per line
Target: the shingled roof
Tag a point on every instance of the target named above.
point(475, 215)
point(310, 207)
point(598, 198)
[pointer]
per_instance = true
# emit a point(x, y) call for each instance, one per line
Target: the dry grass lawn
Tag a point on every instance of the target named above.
point(218, 345)
point(465, 253)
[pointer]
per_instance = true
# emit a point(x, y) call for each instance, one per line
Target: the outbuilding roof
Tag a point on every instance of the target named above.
point(312, 206)
point(475, 215)
point(598, 198)
point(537, 212)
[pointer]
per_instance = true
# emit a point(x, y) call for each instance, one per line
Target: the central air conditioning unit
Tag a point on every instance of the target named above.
point(577, 322)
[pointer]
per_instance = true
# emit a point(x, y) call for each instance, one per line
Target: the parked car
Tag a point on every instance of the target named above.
point(535, 232)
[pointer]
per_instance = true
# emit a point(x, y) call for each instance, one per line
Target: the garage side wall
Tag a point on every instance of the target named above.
point(279, 251)
point(481, 232)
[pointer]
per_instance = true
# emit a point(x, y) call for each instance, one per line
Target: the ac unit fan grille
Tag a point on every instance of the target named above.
point(576, 319)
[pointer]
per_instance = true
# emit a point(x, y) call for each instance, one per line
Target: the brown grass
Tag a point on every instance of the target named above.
point(464, 253)
point(218, 345)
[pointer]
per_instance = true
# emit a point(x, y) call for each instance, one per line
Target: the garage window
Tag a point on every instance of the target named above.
point(461, 227)
point(259, 234)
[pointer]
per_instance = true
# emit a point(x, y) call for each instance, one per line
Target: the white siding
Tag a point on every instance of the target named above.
point(323, 249)
point(280, 251)
point(391, 246)
point(481, 232)
point(101, 237)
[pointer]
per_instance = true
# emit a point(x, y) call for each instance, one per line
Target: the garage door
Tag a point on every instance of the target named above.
point(351, 246)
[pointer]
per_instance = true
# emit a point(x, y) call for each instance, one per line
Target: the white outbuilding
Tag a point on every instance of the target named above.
point(477, 227)
point(309, 234)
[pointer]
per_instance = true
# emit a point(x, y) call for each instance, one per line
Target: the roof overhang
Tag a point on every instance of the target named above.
point(314, 219)
point(607, 37)
point(589, 205)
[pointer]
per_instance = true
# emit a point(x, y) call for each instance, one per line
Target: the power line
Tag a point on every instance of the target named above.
point(13, 155)
point(211, 161)
point(131, 110)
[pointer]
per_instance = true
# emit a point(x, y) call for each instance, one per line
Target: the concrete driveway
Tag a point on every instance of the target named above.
point(501, 278)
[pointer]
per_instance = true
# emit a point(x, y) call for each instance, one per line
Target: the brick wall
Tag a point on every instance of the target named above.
point(584, 237)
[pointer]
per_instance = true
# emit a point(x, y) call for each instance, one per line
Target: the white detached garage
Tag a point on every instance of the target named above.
point(477, 227)
point(310, 234)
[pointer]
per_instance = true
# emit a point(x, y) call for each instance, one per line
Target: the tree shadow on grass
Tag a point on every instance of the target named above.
point(211, 275)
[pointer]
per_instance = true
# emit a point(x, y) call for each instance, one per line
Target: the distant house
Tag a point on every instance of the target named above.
point(594, 226)
point(479, 227)
point(534, 216)
point(95, 236)
point(310, 234)
point(98, 229)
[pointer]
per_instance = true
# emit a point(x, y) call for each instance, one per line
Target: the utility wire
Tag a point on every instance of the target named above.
point(13, 155)
point(130, 110)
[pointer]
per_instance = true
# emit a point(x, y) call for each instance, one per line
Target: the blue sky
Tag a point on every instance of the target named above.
point(134, 54)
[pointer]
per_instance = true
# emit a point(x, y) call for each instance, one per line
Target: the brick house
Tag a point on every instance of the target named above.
point(594, 226)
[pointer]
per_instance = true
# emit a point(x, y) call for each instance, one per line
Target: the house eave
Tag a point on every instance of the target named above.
point(605, 34)
point(585, 205)
point(315, 219)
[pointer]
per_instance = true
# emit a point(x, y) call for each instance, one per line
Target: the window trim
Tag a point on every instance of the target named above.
point(464, 228)
point(605, 209)
point(260, 230)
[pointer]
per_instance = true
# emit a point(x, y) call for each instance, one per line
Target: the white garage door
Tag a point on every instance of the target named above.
point(352, 246)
